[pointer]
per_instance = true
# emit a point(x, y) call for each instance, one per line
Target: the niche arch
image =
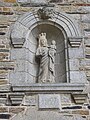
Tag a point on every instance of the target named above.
point(23, 37)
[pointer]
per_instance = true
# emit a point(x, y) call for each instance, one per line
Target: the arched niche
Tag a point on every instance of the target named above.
point(52, 33)
point(29, 20)
point(24, 39)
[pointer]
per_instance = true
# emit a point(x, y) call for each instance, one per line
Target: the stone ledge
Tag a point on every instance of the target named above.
point(75, 41)
point(79, 98)
point(50, 88)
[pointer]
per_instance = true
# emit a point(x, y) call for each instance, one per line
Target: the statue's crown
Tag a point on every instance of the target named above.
point(42, 36)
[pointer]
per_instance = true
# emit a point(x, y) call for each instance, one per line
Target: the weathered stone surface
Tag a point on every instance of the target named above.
point(24, 66)
point(16, 98)
point(7, 65)
point(48, 101)
point(87, 50)
point(4, 50)
point(3, 81)
point(3, 75)
point(84, 62)
point(88, 73)
point(74, 64)
point(18, 36)
point(3, 56)
point(22, 1)
point(2, 101)
point(78, 77)
point(21, 78)
point(76, 53)
point(79, 98)
point(87, 42)
point(77, 64)
point(12, 1)
point(75, 42)
point(16, 109)
point(3, 109)
point(5, 88)
point(32, 1)
point(87, 89)
point(46, 115)
point(81, 112)
point(48, 88)
point(65, 99)
point(29, 100)
point(24, 54)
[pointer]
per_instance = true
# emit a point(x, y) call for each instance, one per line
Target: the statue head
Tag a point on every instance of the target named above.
point(53, 42)
point(42, 40)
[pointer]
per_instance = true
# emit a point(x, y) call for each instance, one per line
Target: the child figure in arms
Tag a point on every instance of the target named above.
point(52, 53)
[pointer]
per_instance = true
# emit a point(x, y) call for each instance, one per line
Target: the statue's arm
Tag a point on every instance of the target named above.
point(38, 52)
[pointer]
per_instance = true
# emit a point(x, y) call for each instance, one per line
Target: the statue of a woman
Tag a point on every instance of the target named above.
point(42, 54)
point(46, 57)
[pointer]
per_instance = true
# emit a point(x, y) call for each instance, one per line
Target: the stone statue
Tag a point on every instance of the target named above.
point(42, 53)
point(52, 52)
point(45, 13)
point(46, 56)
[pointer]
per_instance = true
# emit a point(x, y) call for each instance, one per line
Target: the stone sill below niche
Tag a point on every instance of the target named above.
point(50, 88)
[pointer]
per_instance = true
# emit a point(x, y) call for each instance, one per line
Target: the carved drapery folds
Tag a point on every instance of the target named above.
point(46, 55)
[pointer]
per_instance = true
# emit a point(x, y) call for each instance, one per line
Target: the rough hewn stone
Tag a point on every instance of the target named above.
point(65, 99)
point(81, 112)
point(78, 77)
point(16, 109)
point(3, 109)
point(29, 100)
point(12, 1)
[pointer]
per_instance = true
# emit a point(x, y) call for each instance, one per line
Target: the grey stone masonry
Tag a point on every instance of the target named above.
point(67, 22)
point(49, 101)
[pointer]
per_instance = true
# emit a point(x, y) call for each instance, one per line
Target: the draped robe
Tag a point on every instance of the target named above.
point(46, 69)
point(42, 53)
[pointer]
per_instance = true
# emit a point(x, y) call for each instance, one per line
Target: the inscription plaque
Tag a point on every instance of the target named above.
point(49, 101)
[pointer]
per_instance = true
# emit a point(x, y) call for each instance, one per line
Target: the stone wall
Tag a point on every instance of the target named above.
point(22, 103)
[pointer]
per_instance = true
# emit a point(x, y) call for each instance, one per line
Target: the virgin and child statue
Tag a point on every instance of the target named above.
point(46, 55)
